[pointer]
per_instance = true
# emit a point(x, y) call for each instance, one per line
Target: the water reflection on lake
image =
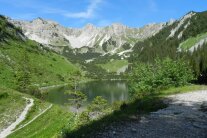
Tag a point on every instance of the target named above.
point(110, 90)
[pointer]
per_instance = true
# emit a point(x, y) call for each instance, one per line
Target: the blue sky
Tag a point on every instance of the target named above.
point(77, 13)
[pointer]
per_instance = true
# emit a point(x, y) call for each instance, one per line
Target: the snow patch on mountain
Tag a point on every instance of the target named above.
point(52, 34)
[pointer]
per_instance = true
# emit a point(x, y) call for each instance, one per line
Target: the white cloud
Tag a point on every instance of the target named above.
point(89, 13)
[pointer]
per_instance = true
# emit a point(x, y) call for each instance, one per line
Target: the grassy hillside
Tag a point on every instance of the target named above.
point(192, 41)
point(15, 102)
point(114, 65)
point(49, 124)
point(45, 67)
point(19, 55)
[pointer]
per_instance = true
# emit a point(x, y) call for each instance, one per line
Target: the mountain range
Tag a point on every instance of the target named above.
point(112, 39)
point(104, 47)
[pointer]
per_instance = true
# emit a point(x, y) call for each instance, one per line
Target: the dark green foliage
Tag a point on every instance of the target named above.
point(76, 99)
point(161, 75)
point(197, 26)
point(162, 46)
point(35, 91)
point(108, 44)
point(95, 110)
point(126, 46)
point(198, 60)
point(99, 104)
point(74, 80)
point(83, 119)
point(157, 46)
point(9, 31)
point(92, 70)
point(4, 95)
point(79, 57)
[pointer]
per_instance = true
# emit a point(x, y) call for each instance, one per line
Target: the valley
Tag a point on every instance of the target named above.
point(58, 81)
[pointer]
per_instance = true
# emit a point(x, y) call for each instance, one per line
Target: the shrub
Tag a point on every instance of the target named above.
point(98, 108)
point(83, 119)
point(98, 104)
point(162, 75)
point(76, 99)
point(35, 91)
point(4, 95)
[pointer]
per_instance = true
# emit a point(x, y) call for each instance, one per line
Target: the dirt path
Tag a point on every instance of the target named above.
point(9, 129)
point(186, 116)
point(33, 119)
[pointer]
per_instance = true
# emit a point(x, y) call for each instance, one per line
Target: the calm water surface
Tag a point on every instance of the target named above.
point(110, 90)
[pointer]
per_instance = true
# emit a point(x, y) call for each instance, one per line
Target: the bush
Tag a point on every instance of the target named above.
point(83, 119)
point(98, 108)
point(162, 75)
point(35, 91)
point(99, 104)
point(4, 95)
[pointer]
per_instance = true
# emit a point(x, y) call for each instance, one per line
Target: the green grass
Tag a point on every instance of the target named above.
point(11, 105)
point(113, 65)
point(39, 106)
point(46, 67)
point(192, 41)
point(183, 89)
point(48, 125)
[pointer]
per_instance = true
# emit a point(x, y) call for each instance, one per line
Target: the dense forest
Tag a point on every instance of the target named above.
point(162, 46)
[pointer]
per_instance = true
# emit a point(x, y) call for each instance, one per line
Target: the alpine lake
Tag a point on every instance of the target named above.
point(112, 91)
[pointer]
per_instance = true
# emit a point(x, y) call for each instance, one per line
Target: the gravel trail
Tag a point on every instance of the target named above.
point(10, 128)
point(185, 117)
point(33, 119)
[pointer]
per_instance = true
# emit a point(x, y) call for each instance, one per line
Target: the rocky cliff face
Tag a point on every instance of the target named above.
point(110, 39)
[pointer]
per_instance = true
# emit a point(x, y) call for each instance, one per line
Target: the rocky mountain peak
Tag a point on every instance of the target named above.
point(89, 28)
point(56, 36)
point(118, 25)
point(115, 29)
point(171, 21)
point(39, 20)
